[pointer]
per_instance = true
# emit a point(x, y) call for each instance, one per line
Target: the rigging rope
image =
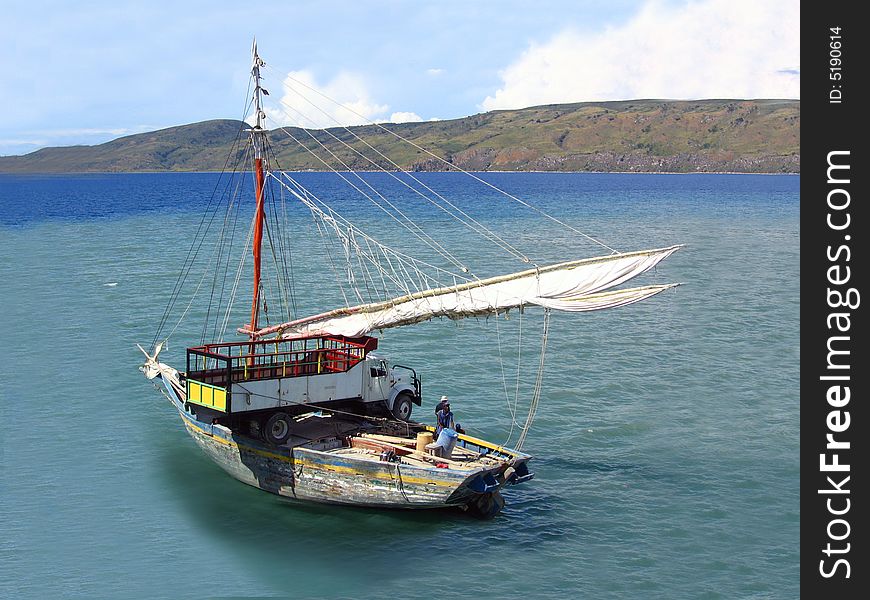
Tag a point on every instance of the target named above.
point(238, 277)
point(219, 248)
point(539, 381)
point(193, 250)
point(511, 410)
point(451, 165)
point(477, 227)
point(225, 265)
point(408, 223)
point(333, 218)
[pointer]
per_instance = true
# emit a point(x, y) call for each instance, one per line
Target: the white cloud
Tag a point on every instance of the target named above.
point(348, 89)
point(707, 49)
point(405, 117)
point(68, 136)
point(20, 142)
point(84, 132)
point(434, 72)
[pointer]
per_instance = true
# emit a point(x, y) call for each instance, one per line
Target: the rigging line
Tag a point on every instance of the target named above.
point(361, 253)
point(189, 304)
point(226, 263)
point(401, 286)
point(187, 266)
point(183, 274)
point(451, 165)
point(326, 408)
point(266, 293)
point(370, 257)
point(333, 214)
point(428, 301)
point(270, 221)
point(323, 239)
point(480, 228)
point(268, 280)
point(372, 188)
point(282, 242)
point(519, 357)
point(288, 265)
point(243, 158)
point(219, 255)
point(421, 236)
point(539, 381)
point(351, 276)
point(195, 292)
point(220, 332)
point(386, 251)
point(399, 255)
point(359, 257)
point(511, 411)
point(193, 297)
point(282, 292)
point(380, 268)
point(411, 261)
point(232, 297)
point(413, 228)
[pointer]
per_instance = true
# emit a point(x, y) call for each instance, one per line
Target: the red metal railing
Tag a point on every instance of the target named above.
point(221, 364)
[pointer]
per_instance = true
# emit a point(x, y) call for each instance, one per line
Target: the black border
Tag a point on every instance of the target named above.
point(828, 127)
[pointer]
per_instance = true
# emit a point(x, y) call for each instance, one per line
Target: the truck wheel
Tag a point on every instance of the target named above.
point(277, 429)
point(402, 407)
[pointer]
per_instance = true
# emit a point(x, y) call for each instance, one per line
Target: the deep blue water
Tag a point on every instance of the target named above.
point(666, 443)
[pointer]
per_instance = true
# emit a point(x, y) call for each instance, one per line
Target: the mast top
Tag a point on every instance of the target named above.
point(259, 115)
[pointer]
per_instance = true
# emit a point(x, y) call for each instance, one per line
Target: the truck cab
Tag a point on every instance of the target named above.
point(397, 386)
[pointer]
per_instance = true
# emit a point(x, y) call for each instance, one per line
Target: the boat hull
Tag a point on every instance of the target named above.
point(311, 475)
point(320, 476)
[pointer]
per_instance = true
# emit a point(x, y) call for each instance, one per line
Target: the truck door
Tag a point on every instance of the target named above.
point(377, 381)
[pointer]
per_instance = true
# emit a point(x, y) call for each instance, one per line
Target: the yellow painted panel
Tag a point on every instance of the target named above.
point(195, 394)
point(220, 399)
point(207, 395)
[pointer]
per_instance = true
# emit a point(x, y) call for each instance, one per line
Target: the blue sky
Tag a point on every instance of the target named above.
point(89, 71)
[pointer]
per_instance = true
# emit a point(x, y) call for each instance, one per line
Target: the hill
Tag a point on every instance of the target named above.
point(753, 136)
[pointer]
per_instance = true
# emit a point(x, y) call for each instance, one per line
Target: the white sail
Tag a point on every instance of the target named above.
point(573, 286)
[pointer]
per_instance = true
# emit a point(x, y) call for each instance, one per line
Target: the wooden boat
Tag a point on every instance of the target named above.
point(308, 410)
point(330, 456)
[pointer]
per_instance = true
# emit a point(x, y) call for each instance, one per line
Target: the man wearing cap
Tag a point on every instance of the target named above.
point(444, 417)
point(440, 406)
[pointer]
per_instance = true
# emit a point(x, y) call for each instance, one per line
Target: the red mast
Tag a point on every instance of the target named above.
point(257, 141)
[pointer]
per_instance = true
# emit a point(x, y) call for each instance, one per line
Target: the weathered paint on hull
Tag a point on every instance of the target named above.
point(321, 477)
point(312, 475)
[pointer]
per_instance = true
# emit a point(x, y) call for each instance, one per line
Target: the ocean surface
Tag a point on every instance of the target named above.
point(666, 441)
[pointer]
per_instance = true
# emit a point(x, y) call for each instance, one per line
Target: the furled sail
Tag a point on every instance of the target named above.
point(574, 286)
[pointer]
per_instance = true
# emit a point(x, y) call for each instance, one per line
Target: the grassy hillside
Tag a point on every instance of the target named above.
point(760, 136)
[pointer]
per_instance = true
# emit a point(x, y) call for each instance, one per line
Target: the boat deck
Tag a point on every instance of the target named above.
point(372, 446)
point(362, 441)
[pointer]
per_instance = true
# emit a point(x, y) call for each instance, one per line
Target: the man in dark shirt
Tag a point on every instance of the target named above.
point(440, 406)
point(444, 417)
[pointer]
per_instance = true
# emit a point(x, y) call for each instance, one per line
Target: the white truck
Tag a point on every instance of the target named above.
point(263, 384)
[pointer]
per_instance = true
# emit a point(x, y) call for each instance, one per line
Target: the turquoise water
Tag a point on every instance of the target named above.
point(666, 443)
